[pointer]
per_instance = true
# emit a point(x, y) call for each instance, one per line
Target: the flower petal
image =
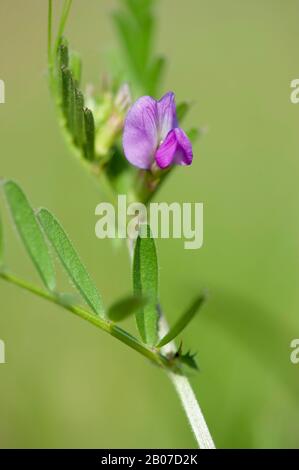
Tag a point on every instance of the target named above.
point(140, 138)
point(167, 114)
point(175, 150)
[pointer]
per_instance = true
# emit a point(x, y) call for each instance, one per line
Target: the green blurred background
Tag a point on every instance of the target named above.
point(67, 384)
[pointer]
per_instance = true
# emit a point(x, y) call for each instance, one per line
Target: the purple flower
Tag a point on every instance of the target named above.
point(151, 134)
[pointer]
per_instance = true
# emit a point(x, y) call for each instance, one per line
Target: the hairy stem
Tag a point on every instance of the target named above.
point(193, 411)
point(188, 399)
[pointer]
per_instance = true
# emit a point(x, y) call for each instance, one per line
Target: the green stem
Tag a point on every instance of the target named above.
point(105, 325)
point(64, 16)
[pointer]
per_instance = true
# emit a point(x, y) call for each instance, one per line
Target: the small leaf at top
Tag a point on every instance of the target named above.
point(145, 282)
point(156, 74)
point(68, 98)
point(71, 261)
point(183, 321)
point(76, 66)
point(125, 307)
point(30, 232)
point(63, 55)
point(79, 118)
point(89, 134)
point(136, 19)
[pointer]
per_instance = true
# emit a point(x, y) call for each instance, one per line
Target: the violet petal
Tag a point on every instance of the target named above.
point(176, 149)
point(167, 114)
point(140, 138)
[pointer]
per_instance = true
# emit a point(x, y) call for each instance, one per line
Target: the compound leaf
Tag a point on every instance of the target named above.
point(30, 232)
point(71, 261)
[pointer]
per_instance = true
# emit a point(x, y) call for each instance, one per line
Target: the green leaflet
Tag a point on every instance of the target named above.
point(135, 19)
point(156, 73)
point(145, 283)
point(89, 135)
point(71, 261)
point(68, 98)
point(123, 308)
point(76, 66)
point(30, 232)
point(183, 321)
point(63, 54)
point(79, 118)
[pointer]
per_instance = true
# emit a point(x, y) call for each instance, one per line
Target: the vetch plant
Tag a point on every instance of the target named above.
point(98, 126)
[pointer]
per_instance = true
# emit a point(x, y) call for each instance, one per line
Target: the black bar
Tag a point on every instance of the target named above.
point(132, 458)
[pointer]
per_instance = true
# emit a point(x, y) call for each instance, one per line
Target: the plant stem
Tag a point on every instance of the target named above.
point(105, 325)
point(64, 16)
point(188, 399)
point(182, 385)
point(193, 411)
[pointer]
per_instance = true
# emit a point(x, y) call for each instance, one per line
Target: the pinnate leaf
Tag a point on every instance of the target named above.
point(71, 261)
point(30, 232)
